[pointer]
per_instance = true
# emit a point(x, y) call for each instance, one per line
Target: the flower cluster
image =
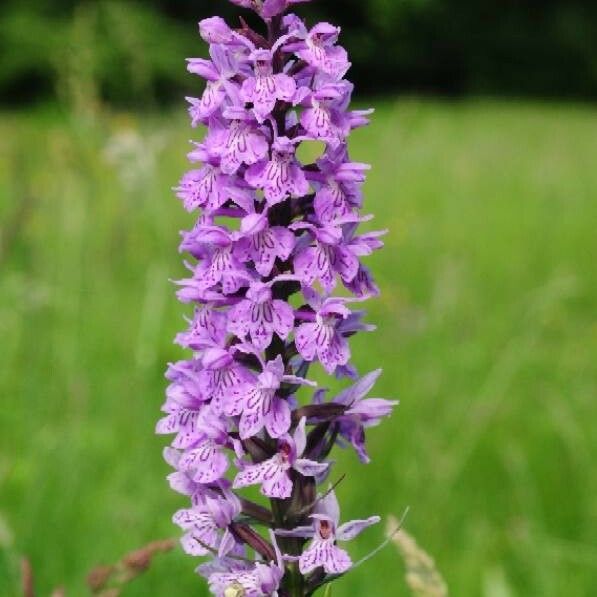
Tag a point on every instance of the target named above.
point(273, 241)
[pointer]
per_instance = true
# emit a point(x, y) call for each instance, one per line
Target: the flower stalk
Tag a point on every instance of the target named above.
point(273, 242)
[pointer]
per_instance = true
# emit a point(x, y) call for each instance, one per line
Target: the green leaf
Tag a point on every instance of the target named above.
point(328, 591)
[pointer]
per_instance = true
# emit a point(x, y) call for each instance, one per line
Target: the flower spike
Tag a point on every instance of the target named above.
point(273, 241)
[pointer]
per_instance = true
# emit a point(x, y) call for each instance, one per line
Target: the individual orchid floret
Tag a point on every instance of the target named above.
point(363, 285)
point(219, 266)
point(259, 316)
point(324, 532)
point(221, 372)
point(233, 578)
point(262, 244)
point(206, 461)
point(274, 474)
point(206, 526)
point(361, 412)
point(207, 329)
point(182, 419)
point(268, 8)
point(265, 88)
point(330, 255)
point(319, 50)
point(258, 405)
point(338, 184)
point(324, 119)
point(281, 176)
point(239, 142)
point(182, 483)
point(322, 338)
point(218, 73)
point(209, 188)
point(273, 8)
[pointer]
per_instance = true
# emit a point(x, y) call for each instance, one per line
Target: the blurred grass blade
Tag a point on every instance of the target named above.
point(422, 576)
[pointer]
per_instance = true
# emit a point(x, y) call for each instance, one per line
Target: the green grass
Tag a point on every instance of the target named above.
point(486, 333)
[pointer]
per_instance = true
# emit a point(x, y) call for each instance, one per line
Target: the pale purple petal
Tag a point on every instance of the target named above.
point(328, 507)
point(300, 437)
point(350, 530)
point(333, 559)
point(310, 468)
point(277, 486)
point(277, 420)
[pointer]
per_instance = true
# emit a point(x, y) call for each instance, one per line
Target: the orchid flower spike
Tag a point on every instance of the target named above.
point(273, 241)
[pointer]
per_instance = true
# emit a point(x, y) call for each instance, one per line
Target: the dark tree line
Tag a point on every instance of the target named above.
point(133, 48)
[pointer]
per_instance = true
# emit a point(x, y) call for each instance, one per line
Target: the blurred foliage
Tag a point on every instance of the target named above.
point(132, 51)
point(120, 51)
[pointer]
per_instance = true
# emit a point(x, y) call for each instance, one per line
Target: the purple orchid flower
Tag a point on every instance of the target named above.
point(273, 8)
point(325, 117)
point(182, 482)
point(214, 30)
point(205, 460)
point(260, 315)
point(183, 419)
point(361, 412)
point(324, 532)
point(363, 285)
point(336, 251)
point(185, 399)
point(257, 404)
point(322, 337)
point(281, 176)
point(274, 474)
point(330, 255)
point(208, 187)
point(205, 523)
point(221, 372)
point(262, 244)
point(218, 72)
point(238, 142)
point(265, 88)
point(318, 49)
point(214, 245)
point(338, 185)
point(268, 8)
point(207, 329)
point(229, 577)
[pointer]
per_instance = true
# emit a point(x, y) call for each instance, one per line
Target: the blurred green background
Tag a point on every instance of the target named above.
point(486, 325)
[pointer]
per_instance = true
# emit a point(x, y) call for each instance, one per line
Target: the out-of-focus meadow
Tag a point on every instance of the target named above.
point(486, 332)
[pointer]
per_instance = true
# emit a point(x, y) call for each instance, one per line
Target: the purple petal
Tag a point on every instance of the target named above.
point(351, 529)
point(306, 532)
point(337, 352)
point(277, 486)
point(252, 474)
point(227, 544)
point(324, 553)
point(306, 340)
point(191, 546)
point(277, 421)
point(328, 507)
point(300, 437)
point(283, 315)
point(360, 389)
point(310, 468)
